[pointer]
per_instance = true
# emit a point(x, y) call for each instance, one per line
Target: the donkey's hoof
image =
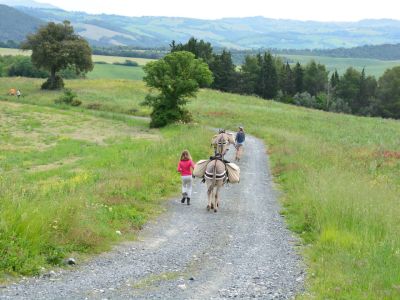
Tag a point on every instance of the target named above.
point(215, 210)
point(208, 207)
point(212, 206)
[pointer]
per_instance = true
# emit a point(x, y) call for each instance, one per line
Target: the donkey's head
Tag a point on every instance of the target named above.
point(221, 142)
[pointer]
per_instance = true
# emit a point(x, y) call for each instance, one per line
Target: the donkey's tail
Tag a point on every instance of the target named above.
point(214, 179)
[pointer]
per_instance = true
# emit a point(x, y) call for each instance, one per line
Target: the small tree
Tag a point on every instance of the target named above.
point(56, 47)
point(177, 77)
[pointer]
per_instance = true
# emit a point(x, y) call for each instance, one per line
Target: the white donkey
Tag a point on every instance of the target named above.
point(215, 175)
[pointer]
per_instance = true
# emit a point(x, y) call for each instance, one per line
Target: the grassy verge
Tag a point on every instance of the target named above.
point(70, 180)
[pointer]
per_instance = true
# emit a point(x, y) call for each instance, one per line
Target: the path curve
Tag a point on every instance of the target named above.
point(243, 251)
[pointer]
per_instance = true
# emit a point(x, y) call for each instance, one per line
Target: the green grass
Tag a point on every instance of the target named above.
point(69, 180)
point(107, 71)
point(373, 67)
point(340, 177)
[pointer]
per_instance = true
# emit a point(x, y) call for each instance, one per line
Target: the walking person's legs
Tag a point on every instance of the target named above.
point(186, 188)
point(189, 189)
point(184, 194)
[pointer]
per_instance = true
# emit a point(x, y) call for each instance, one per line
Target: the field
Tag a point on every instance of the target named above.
point(107, 71)
point(339, 174)
point(373, 67)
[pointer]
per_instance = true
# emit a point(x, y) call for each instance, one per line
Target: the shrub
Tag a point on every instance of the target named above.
point(57, 85)
point(305, 99)
point(339, 105)
point(69, 97)
point(128, 62)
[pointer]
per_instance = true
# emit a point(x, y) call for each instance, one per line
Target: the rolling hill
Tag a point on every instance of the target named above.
point(15, 25)
point(239, 33)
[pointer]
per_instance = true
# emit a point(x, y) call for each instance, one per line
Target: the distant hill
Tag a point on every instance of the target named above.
point(238, 33)
point(15, 25)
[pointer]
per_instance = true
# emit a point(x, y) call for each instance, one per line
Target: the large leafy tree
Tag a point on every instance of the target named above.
point(56, 47)
point(177, 77)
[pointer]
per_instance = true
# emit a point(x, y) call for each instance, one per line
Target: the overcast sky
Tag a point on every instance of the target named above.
point(321, 10)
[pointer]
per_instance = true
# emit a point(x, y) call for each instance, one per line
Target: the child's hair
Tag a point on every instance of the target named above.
point(185, 155)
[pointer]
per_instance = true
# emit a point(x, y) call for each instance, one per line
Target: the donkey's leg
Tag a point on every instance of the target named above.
point(216, 198)
point(209, 194)
point(212, 198)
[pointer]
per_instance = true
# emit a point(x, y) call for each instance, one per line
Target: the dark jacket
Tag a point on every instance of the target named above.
point(240, 137)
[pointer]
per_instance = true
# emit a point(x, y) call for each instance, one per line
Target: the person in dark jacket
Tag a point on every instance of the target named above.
point(239, 141)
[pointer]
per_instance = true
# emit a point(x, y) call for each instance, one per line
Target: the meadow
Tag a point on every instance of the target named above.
point(339, 175)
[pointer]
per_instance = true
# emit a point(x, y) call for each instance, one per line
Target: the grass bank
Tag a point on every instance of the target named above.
point(70, 180)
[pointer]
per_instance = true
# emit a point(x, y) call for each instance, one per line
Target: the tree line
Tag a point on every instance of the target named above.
point(310, 85)
point(382, 52)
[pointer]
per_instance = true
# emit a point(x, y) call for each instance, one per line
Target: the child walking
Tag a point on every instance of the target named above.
point(185, 167)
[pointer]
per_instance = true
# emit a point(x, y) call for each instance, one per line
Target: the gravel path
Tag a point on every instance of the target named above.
point(243, 251)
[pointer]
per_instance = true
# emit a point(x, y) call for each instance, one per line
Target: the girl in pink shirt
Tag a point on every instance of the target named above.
point(185, 167)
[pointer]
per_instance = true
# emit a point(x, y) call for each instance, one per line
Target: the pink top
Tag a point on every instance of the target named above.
point(185, 167)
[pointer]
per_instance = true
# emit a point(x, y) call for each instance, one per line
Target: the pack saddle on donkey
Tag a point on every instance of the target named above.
point(216, 171)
